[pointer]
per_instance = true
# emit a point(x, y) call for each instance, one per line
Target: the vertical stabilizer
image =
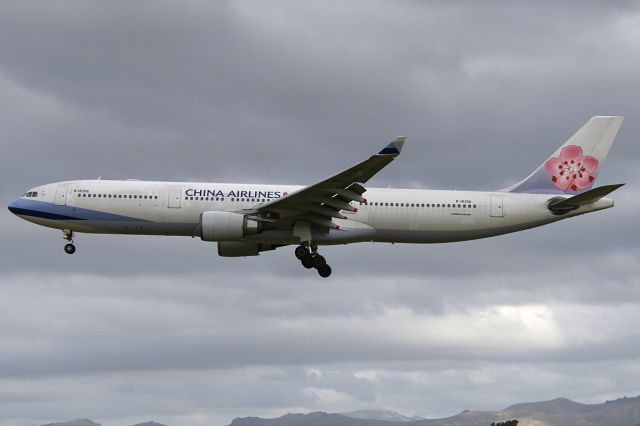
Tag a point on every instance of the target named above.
point(573, 168)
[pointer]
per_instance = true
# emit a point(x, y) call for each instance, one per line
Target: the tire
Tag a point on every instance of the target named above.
point(324, 271)
point(301, 252)
point(69, 248)
point(307, 261)
point(319, 261)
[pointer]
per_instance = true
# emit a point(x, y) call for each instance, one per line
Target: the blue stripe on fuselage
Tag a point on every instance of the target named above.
point(52, 211)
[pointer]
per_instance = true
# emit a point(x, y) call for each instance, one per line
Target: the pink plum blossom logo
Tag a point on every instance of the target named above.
point(571, 169)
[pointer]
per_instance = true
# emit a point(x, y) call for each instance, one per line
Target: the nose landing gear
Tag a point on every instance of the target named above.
point(69, 248)
point(310, 258)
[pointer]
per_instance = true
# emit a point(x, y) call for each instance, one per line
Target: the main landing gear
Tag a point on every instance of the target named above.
point(310, 258)
point(69, 248)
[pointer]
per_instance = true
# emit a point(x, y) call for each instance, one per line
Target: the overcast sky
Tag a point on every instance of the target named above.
point(137, 328)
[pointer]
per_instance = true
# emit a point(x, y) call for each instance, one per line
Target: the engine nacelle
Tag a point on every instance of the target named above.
point(242, 248)
point(227, 226)
point(238, 249)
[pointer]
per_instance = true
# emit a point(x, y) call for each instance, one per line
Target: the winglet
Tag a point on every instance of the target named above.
point(394, 147)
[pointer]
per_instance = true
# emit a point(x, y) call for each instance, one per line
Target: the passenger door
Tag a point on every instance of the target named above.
point(61, 195)
point(496, 206)
point(175, 198)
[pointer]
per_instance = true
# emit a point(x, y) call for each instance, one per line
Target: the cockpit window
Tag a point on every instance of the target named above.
point(31, 194)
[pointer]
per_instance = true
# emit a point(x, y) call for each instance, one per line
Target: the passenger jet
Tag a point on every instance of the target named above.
point(246, 220)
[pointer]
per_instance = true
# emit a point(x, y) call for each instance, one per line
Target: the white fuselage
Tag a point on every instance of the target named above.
point(389, 215)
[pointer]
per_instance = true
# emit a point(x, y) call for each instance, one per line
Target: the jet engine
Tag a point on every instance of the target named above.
point(227, 226)
point(238, 249)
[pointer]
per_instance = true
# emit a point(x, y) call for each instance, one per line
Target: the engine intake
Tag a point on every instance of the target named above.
point(227, 226)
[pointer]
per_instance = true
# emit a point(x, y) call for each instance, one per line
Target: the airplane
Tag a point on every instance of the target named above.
point(246, 219)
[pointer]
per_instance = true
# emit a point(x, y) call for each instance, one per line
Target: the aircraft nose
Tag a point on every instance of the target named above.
point(13, 207)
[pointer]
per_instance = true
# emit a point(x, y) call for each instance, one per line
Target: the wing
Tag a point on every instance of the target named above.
point(322, 202)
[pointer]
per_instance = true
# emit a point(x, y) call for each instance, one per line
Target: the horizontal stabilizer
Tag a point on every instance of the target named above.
point(568, 204)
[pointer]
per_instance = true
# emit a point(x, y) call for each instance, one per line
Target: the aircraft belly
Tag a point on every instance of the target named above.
point(118, 227)
point(445, 235)
point(350, 232)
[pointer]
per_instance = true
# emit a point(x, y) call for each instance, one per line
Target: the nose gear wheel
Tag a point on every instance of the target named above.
point(69, 248)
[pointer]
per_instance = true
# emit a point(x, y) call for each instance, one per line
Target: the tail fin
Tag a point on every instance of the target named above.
point(573, 168)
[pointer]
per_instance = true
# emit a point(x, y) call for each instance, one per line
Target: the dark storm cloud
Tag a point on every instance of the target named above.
point(211, 84)
point(290, 93)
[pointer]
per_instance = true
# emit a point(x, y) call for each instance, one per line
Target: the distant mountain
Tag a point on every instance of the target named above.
point(85, 422)
point(313, 419)
point(77, 422)
point(380, 414)
point(149, 424)
point(557, 412)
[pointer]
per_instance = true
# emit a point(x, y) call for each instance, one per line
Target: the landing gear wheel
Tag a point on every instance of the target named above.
point(324, 271)
point(307, 261)
point(319, 261)
point(69, 248)
point(301, 252)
